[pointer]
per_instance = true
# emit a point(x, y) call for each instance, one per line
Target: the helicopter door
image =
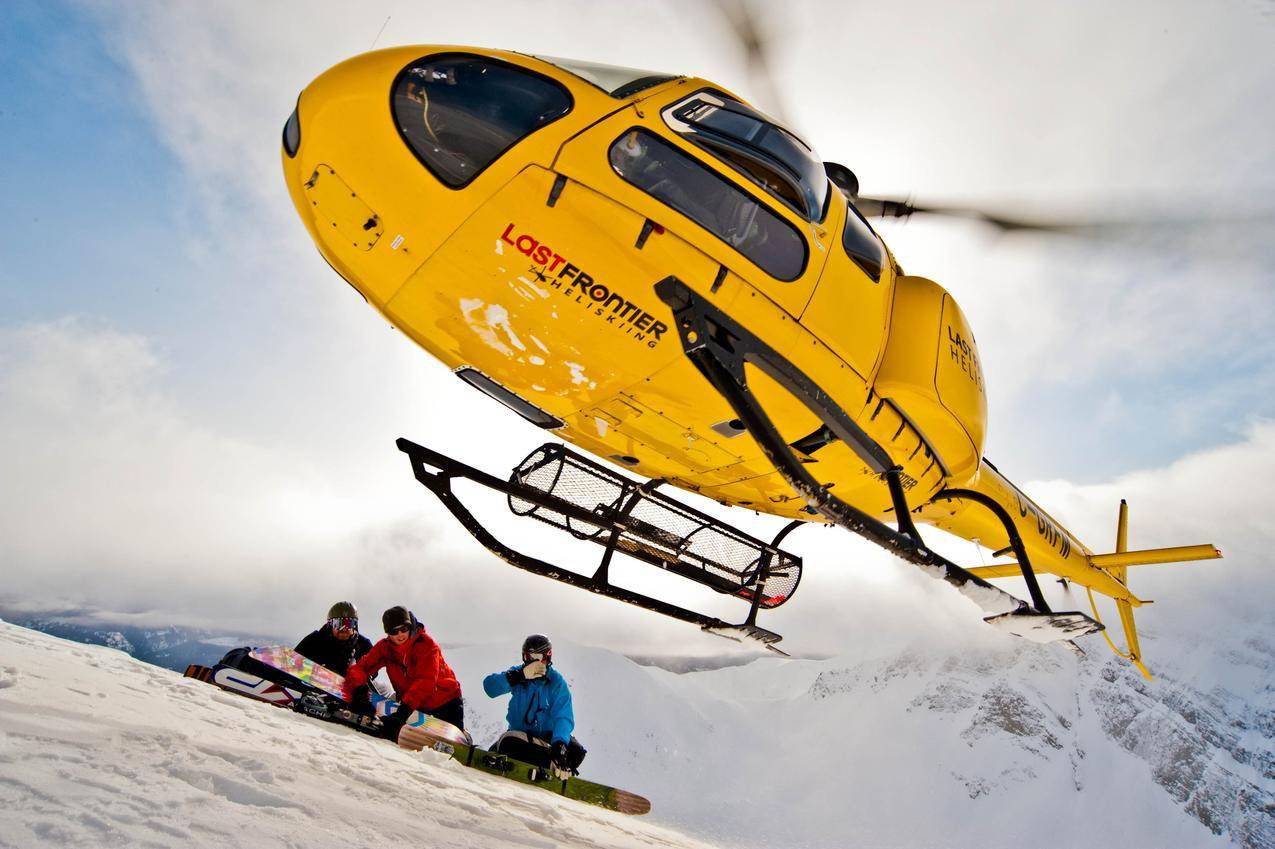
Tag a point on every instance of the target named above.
point(634, 158)
point(850, 310)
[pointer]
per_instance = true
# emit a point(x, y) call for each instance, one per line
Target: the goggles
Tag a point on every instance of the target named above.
point(529, 656)
point(399, 629)
point(344, 623)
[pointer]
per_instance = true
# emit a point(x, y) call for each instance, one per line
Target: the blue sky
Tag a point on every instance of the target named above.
point(186, 389)
point(88, 183)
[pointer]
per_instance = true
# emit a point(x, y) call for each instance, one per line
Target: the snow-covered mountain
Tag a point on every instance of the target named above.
point(997, 744)
point(170, 646)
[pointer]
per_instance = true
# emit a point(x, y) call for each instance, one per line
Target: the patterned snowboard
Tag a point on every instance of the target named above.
point(304, 670)
point(427, 736)
point(286, 660)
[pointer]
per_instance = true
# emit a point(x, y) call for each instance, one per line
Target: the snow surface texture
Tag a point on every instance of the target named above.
point(1004, 745)
point(98, 749)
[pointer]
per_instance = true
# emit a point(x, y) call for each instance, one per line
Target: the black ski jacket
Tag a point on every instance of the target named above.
point(325, 649)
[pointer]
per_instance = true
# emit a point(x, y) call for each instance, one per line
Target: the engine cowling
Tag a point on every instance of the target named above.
point(931, 372)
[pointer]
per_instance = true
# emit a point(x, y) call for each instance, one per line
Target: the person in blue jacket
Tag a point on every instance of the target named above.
point(540, 716)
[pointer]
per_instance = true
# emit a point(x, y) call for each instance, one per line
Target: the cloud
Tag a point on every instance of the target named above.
point(1212, 496)
point(129, 502)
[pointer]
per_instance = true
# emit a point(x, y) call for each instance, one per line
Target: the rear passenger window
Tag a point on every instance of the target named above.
point(459, 113)
point(862, 244)
point(714, 203)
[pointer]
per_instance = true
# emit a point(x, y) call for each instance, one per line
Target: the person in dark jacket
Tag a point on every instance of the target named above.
point(421, 677)
point(540, 715)
point(338, 642)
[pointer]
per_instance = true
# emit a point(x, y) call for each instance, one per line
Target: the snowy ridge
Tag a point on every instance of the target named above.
point(989, 744)
point(1213, 752)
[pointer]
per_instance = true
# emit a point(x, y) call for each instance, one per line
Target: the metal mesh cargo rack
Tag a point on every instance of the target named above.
point(556, 486)
point(653, 528)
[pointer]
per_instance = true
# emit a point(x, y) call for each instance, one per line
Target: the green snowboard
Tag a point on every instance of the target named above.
point(425, 737)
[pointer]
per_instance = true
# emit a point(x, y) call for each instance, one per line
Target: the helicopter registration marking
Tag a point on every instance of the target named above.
point(557, 272)
point(1045, 528)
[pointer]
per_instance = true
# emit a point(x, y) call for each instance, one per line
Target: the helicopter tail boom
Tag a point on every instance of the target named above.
point(1107, 574)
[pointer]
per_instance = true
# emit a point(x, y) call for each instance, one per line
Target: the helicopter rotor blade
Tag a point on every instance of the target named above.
point(749, 30)
point(897, 208)
point(756, 45)
point(1150, 219)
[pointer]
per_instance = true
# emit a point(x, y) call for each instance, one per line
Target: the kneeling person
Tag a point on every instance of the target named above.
point(540, 716)
point(421, 677)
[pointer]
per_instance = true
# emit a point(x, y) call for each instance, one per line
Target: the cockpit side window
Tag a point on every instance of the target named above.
point(862, 244)
point(765, 152)
point(732, 215)
point(459, 113)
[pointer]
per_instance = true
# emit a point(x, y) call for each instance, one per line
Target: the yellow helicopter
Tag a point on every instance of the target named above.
point(669, 279)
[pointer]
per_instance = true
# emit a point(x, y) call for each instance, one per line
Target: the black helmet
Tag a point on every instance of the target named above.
point(396, 616)
point(537, 644)
point(343, 610)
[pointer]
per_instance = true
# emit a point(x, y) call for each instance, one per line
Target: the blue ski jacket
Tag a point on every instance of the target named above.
point(540, 707)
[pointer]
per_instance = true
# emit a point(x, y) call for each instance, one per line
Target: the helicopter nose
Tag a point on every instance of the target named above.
point(348, 175)
point(388, 153)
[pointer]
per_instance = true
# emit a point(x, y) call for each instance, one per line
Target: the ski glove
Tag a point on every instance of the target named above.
point(392, 724)
point(535, 669)
point(515, 677)
point(559, 765)
point(358, 699)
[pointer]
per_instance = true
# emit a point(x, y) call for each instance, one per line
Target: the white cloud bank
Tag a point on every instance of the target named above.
point(126, 500)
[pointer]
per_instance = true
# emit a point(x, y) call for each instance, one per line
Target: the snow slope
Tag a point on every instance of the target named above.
point(99, 749)
point(981, 741)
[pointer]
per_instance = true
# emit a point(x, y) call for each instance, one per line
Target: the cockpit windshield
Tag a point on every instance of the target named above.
point(614, 80)
point(750, 142)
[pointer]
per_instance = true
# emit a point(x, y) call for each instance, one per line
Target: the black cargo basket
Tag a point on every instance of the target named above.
point(654, 528)
point(596, 504)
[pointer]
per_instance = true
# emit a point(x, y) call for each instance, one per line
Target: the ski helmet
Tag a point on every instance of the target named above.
point(343, 610)
point(537, 644)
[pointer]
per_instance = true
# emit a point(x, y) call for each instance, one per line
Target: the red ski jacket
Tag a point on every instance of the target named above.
point(421, 678)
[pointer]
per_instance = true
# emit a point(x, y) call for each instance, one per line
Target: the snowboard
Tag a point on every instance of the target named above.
point(314, 690)
point(246, 684)
point(303, 669)
point(426, 736)
point(296, 695)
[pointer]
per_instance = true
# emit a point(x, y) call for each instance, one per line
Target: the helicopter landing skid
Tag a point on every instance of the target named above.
point(593, 503)
point(747, 634)
point(719, 347)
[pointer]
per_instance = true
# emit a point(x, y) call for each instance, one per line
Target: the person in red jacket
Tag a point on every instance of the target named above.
point(422, 679)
